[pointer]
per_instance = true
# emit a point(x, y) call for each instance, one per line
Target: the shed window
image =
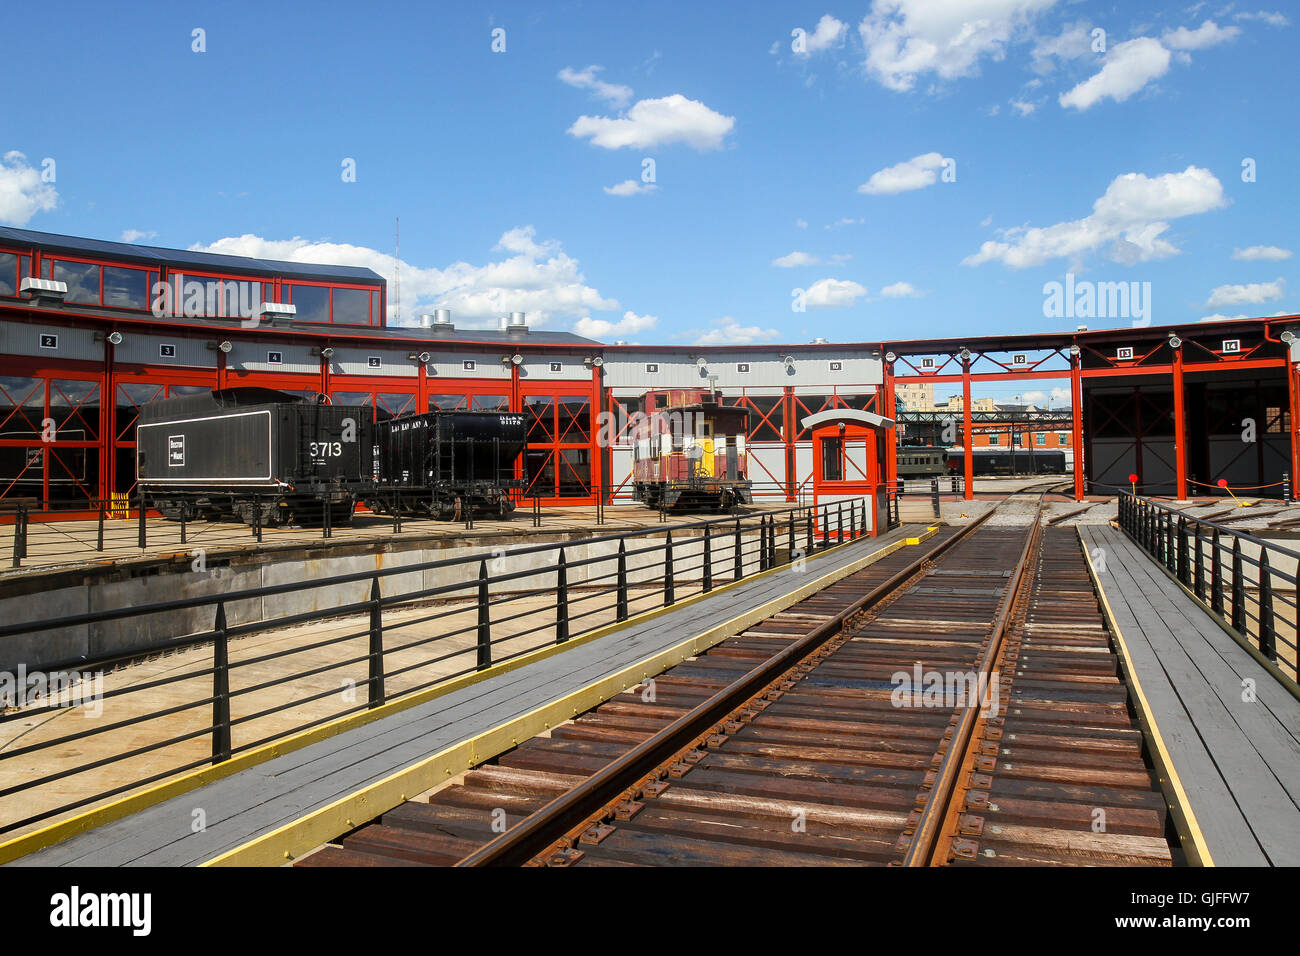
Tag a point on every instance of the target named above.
point(352, 306)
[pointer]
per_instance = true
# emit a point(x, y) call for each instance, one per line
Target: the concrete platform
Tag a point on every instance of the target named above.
point(1224, 732)
point(382, 757)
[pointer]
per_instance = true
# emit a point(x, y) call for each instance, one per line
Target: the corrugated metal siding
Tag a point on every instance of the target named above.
point(626, 373)
point(540, 368)
point(252, 356)
point(137, 349)
point(392, 363)
point(487, 365)
point(25, 339)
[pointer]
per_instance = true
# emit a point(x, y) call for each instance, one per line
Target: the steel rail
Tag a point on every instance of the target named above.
point(934, 813)
point(545, 826)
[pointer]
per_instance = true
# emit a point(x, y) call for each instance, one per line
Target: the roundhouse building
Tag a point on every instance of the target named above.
point(91, 330)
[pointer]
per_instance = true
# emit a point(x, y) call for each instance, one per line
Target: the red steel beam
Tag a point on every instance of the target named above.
point(1180, 428)
point(1076, 429)
point(968, 457)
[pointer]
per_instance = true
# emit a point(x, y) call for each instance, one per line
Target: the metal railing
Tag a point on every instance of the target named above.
point(927, 488)
point(1247, 582)
point(216, 697)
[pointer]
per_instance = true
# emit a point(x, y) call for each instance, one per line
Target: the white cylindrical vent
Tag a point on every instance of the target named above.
point(426, 321)
point(442, 316)
point(503, 323)
point(518, 318)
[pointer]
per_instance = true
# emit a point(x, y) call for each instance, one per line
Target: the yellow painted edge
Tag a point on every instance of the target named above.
point(63, 830)
point(1194, 843)
point(327, 823)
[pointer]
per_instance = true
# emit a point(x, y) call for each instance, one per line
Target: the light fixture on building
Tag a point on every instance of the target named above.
point(43, 291)
point(424, 358)
point(224, 347)
point(114, 338)
point(1287, 336)
point(277, 310)
point(965, 355)
point(788, 361)
point(702, 362)
point(1075, 350)
point(890, 357)
point(327, 353)
point(593, 360)
point(1175, 342)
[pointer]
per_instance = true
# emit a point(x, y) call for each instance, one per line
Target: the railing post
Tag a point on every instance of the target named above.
point(220, 688)
point(771, 541)
point(670, 586)
point(184, 513)
point(1267, 632)
point(1238, 589)
point(934, 495)
point(621, 610)
point(18, 537)
point(142, 535)
point(257, 517)
point(839, 522)
point(762, 543)
point(708, 560)
point(738, 571)
point(1216, 574)
point(1183, 575)
point(376, 681)
point(810, 520)
point(562, 600)
point(1199, 575)
point(327, 531)
point(853, 520)
point(484, 619)
point(792, 549)
point(99, 538)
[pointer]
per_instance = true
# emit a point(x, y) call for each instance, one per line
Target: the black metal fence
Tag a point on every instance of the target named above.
point(1247, 582)
point(229, 685)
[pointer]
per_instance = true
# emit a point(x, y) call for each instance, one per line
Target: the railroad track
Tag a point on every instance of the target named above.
point(960, 707)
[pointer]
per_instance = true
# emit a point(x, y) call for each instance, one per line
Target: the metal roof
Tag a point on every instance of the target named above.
point(177, 258)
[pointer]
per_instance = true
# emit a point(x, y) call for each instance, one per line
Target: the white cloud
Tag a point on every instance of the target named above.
point(832, 293)
point(1261, 254)
point(22, 194)
point(986, 221)
point(1254, 293)
point(1074, 42)
point(135, 235)
point(1272, 19)
point(615, 95)
point(1129, 67)
point(907, 38)
point(1220, 317)
point(828, 33)
point(801, 223)
point(845, 221)
point(1023, 107)
point(794, 259)
point(630, 324)
point(900, 290)
point(727, 331)
point(1056, 396)
point(1207, 34)
point(538, 278)
point(660, 122)
point(1130, 219)
point(630, 187)
point(915, 173)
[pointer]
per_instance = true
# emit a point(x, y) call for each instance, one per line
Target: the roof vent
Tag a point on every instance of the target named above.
point(517, 322)
point(442, 320)
point(277, 310)
point(426, 321)
point(44, 291)
point(820, 341)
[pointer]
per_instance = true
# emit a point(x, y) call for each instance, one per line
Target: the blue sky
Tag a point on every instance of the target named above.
point(916, 168)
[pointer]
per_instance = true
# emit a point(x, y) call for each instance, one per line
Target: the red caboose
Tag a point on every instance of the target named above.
point(688, 451)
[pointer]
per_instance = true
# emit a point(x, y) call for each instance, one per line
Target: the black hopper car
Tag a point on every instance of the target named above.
point(246, 452)
point(442, 464)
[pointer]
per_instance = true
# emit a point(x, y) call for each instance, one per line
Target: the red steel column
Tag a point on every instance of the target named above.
point(1180, 428)
point(596, 453)
point(1293, 392)
point(967, 443)
point(1076, 427)
point(886, 407)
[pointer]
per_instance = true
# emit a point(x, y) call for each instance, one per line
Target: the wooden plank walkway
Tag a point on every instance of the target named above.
point(265, 797)
point(1226, 729)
